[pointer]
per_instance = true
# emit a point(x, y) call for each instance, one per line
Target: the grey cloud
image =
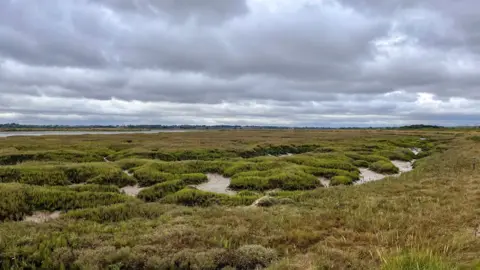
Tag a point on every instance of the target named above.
point(181, 10)
point(221, 61)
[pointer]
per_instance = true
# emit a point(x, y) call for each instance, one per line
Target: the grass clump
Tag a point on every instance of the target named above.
point(46, 199)
point(119, 212)
point(117, 178)
point(149, 177)
point(341, 180)
point(417, 261)
point(89, 188)
point(474, 138)
point(288, 179)
point(384, 167)
point(158, 191)
point(193, 197)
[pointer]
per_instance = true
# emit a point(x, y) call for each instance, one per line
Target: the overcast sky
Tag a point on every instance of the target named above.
point(274, 62)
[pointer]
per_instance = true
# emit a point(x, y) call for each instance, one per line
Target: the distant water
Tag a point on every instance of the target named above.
point(61, 133)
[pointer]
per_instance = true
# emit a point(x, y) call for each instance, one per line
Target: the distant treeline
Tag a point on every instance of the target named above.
point(21, 127)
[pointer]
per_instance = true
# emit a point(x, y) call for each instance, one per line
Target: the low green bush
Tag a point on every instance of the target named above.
point(192, 178)
point(89, 188)
point(158, 191)
point(117, 178)
point(119, 212)
point(474, 138)
point(193, 197)
point(288, 179)
point(384, 167)
point(47, 199)
point(402, 154)
point(148, 177)
point(341, 180)
point(13, 202)
point(361, 163)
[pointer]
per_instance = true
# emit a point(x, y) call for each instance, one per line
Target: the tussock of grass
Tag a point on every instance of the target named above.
point(384, 167)
point(288, 179)
point(341, 180)
point(119, 212)
point(193, 197)
point(417, 260)
point(17, 200)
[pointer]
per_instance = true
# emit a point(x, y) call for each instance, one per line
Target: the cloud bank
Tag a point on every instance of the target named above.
point(261, 62)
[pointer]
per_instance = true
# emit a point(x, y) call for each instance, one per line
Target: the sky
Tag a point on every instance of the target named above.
point(242, 62)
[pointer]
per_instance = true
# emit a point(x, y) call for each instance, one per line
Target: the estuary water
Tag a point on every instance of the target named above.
point(62, 133)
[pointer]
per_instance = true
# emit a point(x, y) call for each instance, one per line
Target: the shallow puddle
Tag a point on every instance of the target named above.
point(41, 217)
point(216, 183)
point(131, 190)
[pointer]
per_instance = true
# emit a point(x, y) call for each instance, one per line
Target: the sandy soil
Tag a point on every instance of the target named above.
point(216, 183)
point(131, 190)
point(41, 217)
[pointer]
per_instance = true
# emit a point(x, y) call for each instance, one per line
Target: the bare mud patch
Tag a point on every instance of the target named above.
point(324, 181)
point(403, 166)
point(42, 217)
point(416, 151)
point(217, 183)
point(131, 190)
point(367, 175)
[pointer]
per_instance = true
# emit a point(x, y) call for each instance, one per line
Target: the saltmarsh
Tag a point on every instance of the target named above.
point(173, 225)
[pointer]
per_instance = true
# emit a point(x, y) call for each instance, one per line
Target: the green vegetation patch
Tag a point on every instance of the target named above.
point(193, 197)
point(384, 167)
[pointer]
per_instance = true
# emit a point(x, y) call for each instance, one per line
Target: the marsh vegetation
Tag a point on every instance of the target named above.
point(240, 199)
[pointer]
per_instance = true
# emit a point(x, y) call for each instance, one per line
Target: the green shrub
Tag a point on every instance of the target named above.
point(193, 178)
point(361, 163)
point(253, 257)
point(475, 138)
point(402, 154)
point(267, 201)
point(248, 193)
point(48, 199)
point(193, 197)
point(341, 180)
point(119, 212)
point(90, 188)
point(46, 175)
point(117, 178)
point(149, 177)
point(384, 167)
point(158, 191)
point(13, 202)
